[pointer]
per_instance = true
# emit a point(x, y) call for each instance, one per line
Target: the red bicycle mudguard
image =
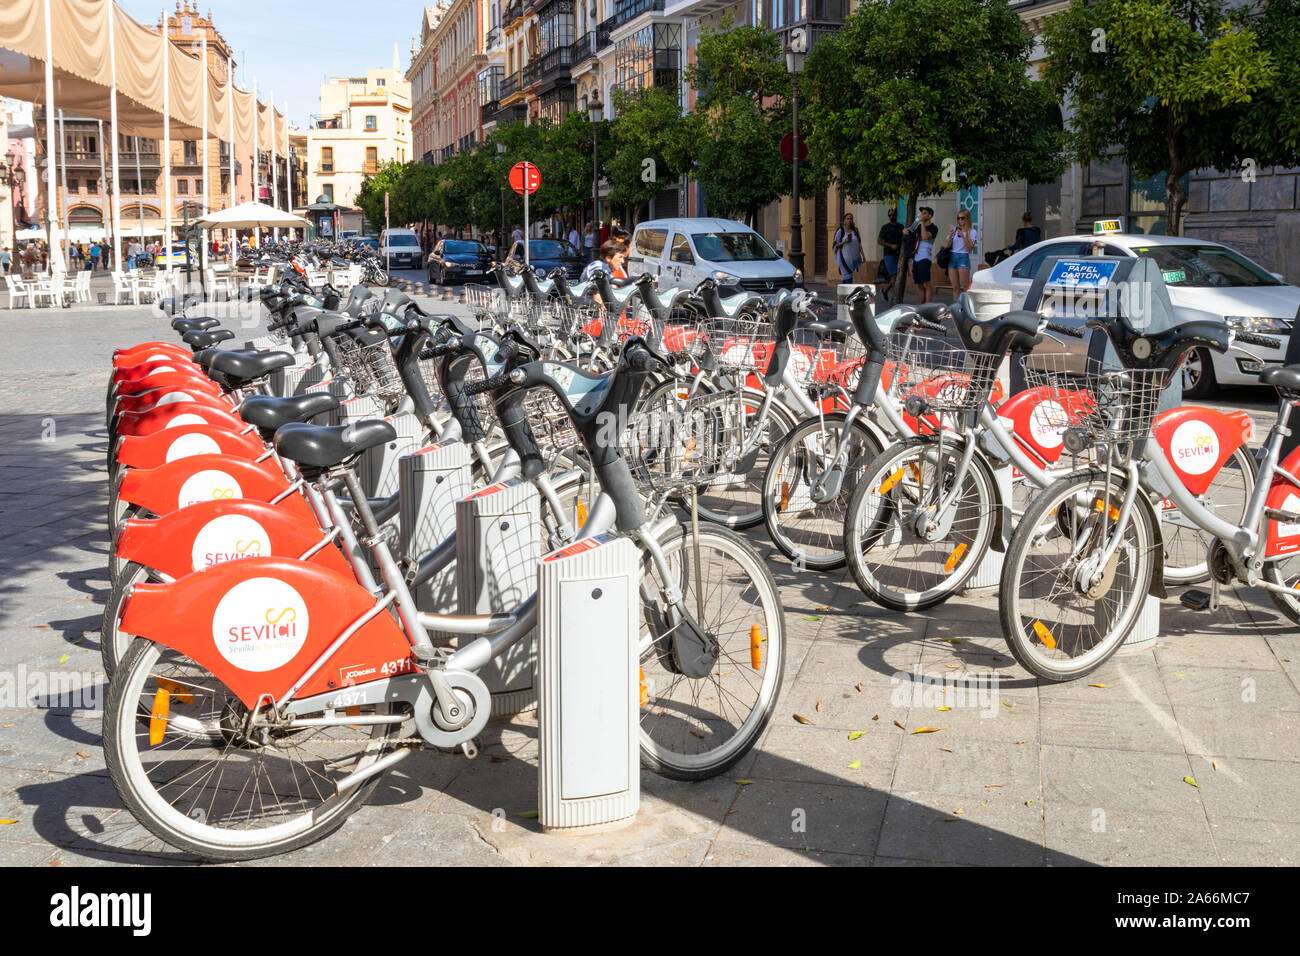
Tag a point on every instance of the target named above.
point(935, 386)
point(1197, 441)
point(170, 396)
point(257, 625)
point(1038, 429)
point(124, 358)
point(1284, 537)
point(133, 373)
point(168, 377)
point(214, 532)
point(187, 481)
point(175, 415)
point(158, 448)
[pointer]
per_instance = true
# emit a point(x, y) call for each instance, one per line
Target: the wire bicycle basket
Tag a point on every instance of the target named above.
point(949, 379)
point(1110, 403)
point(685, 443)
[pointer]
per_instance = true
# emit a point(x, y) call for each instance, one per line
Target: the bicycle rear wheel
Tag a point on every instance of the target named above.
point(1056, 629)
point(179, 753)
point(695, 728)
point(1186, 545)
point(904, 553)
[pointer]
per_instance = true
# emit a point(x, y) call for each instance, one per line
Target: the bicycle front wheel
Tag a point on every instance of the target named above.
point(907, 549)
point(1061, 620)
point(184, 762)
point(804, 501)
point(693, 728)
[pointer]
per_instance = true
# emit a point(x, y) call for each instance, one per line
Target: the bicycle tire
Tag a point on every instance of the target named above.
point(1114, 610)
point(184, 821)
point(894, 565)
point(675, 733)
point(113, 642)
point(1186, 548)
point(812, 535)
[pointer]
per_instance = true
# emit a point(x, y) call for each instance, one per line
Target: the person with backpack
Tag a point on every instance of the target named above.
point(847, 244)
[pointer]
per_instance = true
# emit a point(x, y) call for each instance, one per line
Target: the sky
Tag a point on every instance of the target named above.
point(293, 46)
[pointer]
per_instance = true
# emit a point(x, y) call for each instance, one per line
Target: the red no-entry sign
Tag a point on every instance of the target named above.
point(525, 178)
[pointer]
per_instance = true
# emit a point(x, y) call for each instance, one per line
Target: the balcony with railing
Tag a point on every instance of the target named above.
point(554, 64)
point(626, 10)
point(515, 113)
point(495, 37)
point(603, 31)
point(465, 142)
point(584, 48)
point(512, 12)
point(509, 85)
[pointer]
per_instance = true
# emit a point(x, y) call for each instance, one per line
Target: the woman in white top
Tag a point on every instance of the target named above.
point(962, 238)
point(848, 248)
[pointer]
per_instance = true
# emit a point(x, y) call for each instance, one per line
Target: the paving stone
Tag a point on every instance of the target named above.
point(828, 815)
point(927, 826)
point(1127, 837)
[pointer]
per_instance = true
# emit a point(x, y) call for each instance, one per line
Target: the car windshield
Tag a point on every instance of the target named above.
point(402, 241)
point(733, 247)
point(551, 249)
point(1192, 266)
point(467, 248)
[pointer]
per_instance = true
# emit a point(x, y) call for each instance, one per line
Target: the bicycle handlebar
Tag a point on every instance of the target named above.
point(1254, 338)
point(1063, 329)
point(499, 380)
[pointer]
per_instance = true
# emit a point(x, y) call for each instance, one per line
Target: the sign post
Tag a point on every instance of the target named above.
point(388, 256)
point(524, 179)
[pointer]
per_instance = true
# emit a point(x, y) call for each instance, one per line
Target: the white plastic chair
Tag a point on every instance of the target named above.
point(83, 286)
point(17, 291)
point(122, 287)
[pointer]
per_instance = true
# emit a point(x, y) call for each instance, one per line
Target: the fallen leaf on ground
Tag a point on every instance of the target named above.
point(63, 658)
point(527, 814)
point(943, 708)
point(1192, 783)
point(823, 607)
point(1214, 764)
point(83, 755)
point(897, 723)
point(802, 719)
point(41, 626)
point(946, 750)
point(1006, 703)
point(856, 734)
point(859, 687)
point(928, 730)
point(812, 617)
point(7, 822)
point(744, 783)
point(990, 786)
point(873, 717)
point(1019, 742)
point(948, 820)
point(1098, 685)
point(960, 810)
point(953, 667)
point(819, 704)
point(855, 765)
point(950, 640)
point(1029, 803)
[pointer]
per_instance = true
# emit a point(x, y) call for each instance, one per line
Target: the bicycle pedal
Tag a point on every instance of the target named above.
point(1196, 599)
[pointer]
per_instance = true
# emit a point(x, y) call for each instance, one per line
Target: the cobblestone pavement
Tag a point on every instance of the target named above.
point(1038, 774)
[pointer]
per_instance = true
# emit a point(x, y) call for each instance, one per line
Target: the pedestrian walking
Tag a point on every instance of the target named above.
point(588, 241)
point(517, 234)
point(889, 239)
point(94, 256)
point(923, 232)
point(847, 244)
point(574, 238)
point(962, 238)
point(5, 261)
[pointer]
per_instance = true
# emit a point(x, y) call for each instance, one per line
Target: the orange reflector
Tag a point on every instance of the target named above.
point(1044, 635)
point(1114, 512)
point(891, 481)
point(175, 690)
point(953, 558)
point(645, 694)
point(755, 647)
point(158, 716)
point(582, 513)
point(353, 711)
point(785, 496)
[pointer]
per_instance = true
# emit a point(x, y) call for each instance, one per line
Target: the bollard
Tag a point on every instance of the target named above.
point(588, 729)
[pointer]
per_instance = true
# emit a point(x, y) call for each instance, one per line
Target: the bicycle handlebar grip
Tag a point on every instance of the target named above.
point(488, 384)
point(639, 359)
point(1253, 338)
point(435, 351)
point(926, 324)
point(1064, 330)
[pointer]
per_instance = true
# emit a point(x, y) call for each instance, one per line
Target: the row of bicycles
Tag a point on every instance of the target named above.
point(316, 255)
point(281, 631)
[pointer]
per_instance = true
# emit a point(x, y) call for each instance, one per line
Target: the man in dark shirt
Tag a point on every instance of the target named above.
point(1028, 234)
point(890, 239)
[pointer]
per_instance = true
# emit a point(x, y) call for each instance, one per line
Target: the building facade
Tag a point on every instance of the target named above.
point(364, 122)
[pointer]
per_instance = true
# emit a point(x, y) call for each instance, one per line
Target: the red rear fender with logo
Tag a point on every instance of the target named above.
point(158, 448)
point(162, 397)
point(935, 386)
point(174, 415)
point(187, 481)
point(1197, 441)
point(214, 532)
point(258, 625)
point(1038, 429)
point(167, 377)
point(128, 374)
point(125, 358)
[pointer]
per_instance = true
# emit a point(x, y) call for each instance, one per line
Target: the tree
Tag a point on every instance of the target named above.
point(650, 143)
point(370, 197)
point(418, 194)
point(743, 109)
point(1167, 85)
point(916, 97)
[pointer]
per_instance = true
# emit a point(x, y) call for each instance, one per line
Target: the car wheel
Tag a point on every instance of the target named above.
point(1198, 375)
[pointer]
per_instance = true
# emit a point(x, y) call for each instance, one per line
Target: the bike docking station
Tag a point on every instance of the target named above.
point(1075, 290)
point(588, 726)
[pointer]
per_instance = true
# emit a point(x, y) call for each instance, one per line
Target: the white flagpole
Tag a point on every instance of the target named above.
point(288, 168)
point(204, 94)
point(53, 238)
point(167, 146)
point(275, 167)
point(257, 172)
point(103, 188)
point(63, 177)
point(112, 120)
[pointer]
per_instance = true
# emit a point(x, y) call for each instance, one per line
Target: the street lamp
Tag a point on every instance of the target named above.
point(595, 110)
point(794, 54)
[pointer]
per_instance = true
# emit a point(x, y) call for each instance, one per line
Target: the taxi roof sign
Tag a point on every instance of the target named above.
point(1104, 227)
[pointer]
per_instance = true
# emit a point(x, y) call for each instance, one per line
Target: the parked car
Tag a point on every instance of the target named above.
point(175, 257)
point(687, 251)
point(400, 248)
point(1206, 280)
point(459, 260)
point(545, 254)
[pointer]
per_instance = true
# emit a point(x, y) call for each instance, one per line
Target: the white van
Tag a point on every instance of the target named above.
point(400, 249)
point(687, 251)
